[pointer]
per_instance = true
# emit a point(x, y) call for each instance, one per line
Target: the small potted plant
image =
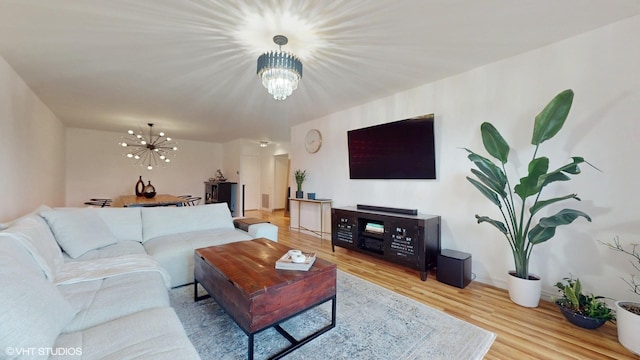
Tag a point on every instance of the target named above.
point(585, 311)
point(300, 175)
point(628, 312)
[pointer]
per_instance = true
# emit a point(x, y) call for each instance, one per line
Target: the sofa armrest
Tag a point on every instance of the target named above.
point(265, 230)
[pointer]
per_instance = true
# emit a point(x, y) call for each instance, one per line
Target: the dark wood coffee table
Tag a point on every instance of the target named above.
point(241, 277)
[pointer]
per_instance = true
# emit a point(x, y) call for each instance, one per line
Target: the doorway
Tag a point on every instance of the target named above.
point(281, 181)
point(250, 178)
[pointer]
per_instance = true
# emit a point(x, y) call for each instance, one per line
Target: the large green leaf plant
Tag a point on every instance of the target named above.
point(518, 224)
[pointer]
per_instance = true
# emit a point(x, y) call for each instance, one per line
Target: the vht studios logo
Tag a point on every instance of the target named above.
point(35, 351)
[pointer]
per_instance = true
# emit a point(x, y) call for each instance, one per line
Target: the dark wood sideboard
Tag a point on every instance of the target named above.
point(409, 240)
point(221, 192)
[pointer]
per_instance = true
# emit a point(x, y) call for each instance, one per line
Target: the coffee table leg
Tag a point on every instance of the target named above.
point(333, 312)
point(250, 353)
point(295, 344)
point(195, 290)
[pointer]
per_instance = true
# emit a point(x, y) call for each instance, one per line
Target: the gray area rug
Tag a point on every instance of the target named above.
point(372, 323)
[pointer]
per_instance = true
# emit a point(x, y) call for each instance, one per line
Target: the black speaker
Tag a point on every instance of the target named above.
point(454, 268)
point(387, 209)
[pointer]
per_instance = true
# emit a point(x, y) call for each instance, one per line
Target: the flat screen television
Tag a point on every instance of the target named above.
point(402, 149)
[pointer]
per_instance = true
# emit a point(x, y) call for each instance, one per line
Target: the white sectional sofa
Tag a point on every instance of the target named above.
point(91, 283)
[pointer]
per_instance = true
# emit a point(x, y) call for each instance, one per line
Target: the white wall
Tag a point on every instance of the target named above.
point(96, 167)
point(31, 149)
point(601, 67)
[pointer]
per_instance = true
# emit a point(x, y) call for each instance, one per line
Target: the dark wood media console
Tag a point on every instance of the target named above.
point(409, 240)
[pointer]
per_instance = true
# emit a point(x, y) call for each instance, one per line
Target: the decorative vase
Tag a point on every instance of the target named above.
point(299, 194)
point(149, 191)
point(139, 187)
point(628, 325)
point(582, 321)
point(524, 292)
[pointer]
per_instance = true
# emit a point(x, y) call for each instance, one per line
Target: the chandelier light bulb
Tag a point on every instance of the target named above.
point(130, 132)
point(149, 167)
point(161, 134)
point(124, 144)
point(129, 155)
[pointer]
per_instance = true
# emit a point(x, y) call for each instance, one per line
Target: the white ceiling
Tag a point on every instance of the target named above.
point(190, 65)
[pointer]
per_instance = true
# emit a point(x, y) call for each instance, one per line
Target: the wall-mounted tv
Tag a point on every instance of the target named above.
point(402, 149)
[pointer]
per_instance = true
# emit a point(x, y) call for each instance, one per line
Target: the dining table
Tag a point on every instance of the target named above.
point(141, 201)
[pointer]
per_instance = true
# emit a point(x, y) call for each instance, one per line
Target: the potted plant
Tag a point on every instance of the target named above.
point(585, 311)
point(519, 205)
point(300, 175)
point(628, 312)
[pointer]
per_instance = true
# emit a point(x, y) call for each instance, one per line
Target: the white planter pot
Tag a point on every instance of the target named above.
point(524, 292)
point(628, 325)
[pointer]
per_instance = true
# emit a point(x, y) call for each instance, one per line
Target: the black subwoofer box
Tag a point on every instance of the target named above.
point(454, 268)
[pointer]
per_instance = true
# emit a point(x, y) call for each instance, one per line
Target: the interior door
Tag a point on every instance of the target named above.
point(250, 178)
point(281, 172)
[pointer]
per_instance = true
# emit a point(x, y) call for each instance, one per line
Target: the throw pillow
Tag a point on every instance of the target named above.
point(78, 230)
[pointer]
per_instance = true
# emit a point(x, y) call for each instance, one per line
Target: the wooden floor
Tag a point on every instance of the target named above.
point(522, 333)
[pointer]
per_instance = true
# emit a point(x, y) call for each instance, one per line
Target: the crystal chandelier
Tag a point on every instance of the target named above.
point(148, 150)
point(280, 71)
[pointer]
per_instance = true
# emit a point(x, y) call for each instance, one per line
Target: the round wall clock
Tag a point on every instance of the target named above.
point(313, 141)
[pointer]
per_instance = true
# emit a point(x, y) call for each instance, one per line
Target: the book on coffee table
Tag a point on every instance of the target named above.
point(286, 263)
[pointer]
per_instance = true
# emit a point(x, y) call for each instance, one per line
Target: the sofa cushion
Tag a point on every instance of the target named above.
point(175, 252)
point(103, 300)
point(37, 310)
point(35, 235)
point(264, 230)
point(124, 223)
point(160, 221)
point(78, 230)
point(154, 334)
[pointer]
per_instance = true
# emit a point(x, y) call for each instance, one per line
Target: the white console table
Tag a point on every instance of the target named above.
point(318, 203)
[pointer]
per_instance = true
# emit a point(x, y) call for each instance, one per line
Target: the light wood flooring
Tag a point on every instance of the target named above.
point(522, 333)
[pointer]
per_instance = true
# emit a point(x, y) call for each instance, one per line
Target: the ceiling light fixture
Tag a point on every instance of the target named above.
point(280, 71)
point(149, 151)
point(264, 143)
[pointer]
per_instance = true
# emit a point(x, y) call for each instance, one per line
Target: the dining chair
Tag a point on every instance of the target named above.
point(98, 202)
point(192, 201)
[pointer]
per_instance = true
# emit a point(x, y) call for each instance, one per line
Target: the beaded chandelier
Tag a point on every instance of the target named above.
point(280, 71)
